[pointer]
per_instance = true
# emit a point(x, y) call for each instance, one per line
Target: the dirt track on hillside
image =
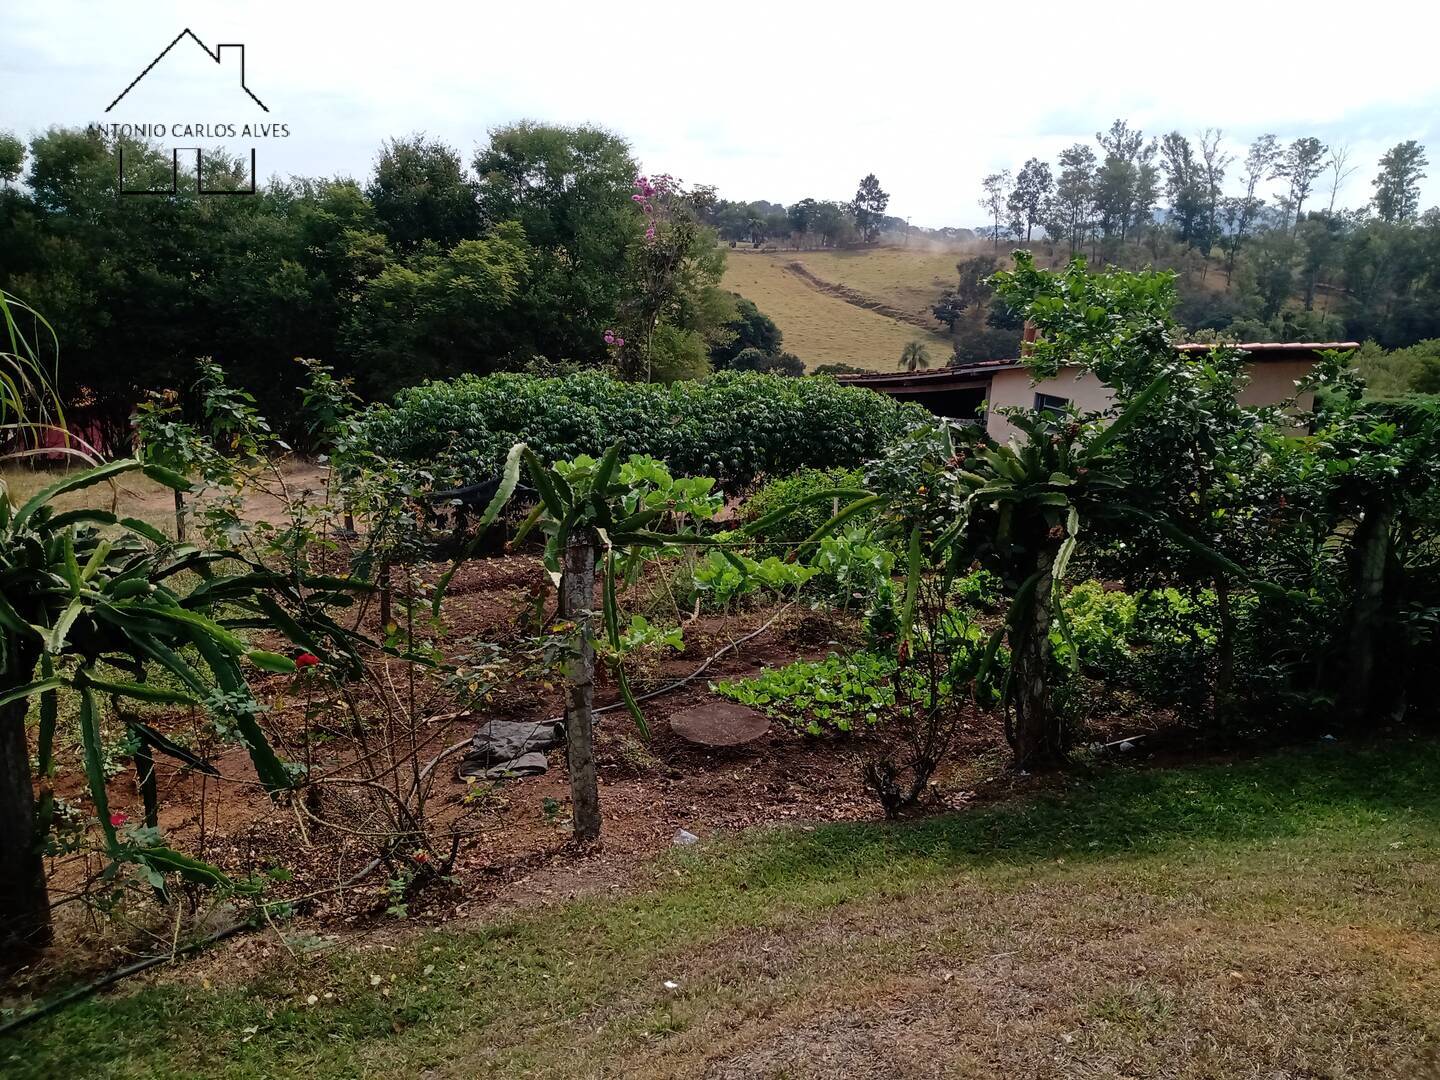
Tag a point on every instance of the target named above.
point(858, 299)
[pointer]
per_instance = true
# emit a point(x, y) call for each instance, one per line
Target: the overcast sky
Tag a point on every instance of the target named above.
point(774, 99)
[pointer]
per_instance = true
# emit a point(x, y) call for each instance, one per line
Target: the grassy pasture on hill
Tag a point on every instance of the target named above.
point(910, 279)
point(822, 329)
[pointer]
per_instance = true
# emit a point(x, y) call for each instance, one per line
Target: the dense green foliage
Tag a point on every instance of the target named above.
point(1395, 373)
point(735, 427)
point(1296, 266)
point(543, 250)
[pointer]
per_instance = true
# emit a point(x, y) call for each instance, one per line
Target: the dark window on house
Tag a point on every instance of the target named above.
point(1051, 403)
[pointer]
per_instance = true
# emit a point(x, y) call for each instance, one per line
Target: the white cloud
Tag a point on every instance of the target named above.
point(773, 100)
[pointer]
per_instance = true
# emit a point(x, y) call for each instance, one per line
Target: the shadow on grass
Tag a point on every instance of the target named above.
point(562, 962)
point(1131, 811)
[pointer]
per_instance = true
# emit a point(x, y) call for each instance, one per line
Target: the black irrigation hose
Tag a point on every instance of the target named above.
point(75, 993)
point(45, 1008)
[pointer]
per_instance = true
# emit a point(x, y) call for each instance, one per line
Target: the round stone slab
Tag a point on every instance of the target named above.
point(719, 723)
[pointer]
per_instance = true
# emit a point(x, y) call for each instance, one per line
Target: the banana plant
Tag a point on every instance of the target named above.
point(95, 607)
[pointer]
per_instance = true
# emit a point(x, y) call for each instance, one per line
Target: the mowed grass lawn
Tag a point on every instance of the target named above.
point(819, 328)
point(1275, 917)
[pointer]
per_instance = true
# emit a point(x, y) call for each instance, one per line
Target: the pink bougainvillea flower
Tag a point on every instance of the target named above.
point(117, 819)
point(609, 338)
point(306, 659)
point(620, 342)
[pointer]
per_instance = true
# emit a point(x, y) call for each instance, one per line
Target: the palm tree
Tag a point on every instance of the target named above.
point(914, 355)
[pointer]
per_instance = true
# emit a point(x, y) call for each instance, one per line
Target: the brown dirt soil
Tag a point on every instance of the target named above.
point(515, 848)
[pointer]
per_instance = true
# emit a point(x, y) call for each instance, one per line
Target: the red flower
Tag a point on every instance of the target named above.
point(306, 659)
point(421, 857)
point(117, 819)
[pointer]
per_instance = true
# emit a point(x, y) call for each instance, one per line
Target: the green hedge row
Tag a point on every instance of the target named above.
point(734, 426)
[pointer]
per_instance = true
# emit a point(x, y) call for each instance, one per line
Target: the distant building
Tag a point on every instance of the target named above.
point(960, 392)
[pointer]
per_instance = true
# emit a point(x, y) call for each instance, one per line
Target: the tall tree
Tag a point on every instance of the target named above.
point(1147, 192)
point(994, 201)
point(1214, 161)
point(1117, 180)
point(1299, 165)
point(1321, 235)
point(1075, 193)
point(1397, 185)
point(1241, 212)
point(914, 356)
point(12, 158)
point(1339, 167)
point(571, 189)
point(832, 223)
point(421, 192)
point(1185, 187)
point(869, 208)
point(802, 216)
point(1028, 198)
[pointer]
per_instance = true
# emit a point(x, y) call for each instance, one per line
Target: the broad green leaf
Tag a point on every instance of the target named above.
point(166, 746)
point(1126, 420)
point(169, 477)
point(781, 513)
point(168, 861)
point(844, 515)
point(912, 584)
point(55, 639)
point(268, 767)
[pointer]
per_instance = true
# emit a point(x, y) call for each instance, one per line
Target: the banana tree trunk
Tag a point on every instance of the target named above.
point(577, 599)
point(24, 900)
point(1038, 739)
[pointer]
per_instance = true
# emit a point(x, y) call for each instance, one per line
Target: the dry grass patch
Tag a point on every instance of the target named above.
point(1272, 918)
point(819, 328)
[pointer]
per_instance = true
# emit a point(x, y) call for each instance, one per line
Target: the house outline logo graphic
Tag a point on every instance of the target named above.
point(216, 54)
